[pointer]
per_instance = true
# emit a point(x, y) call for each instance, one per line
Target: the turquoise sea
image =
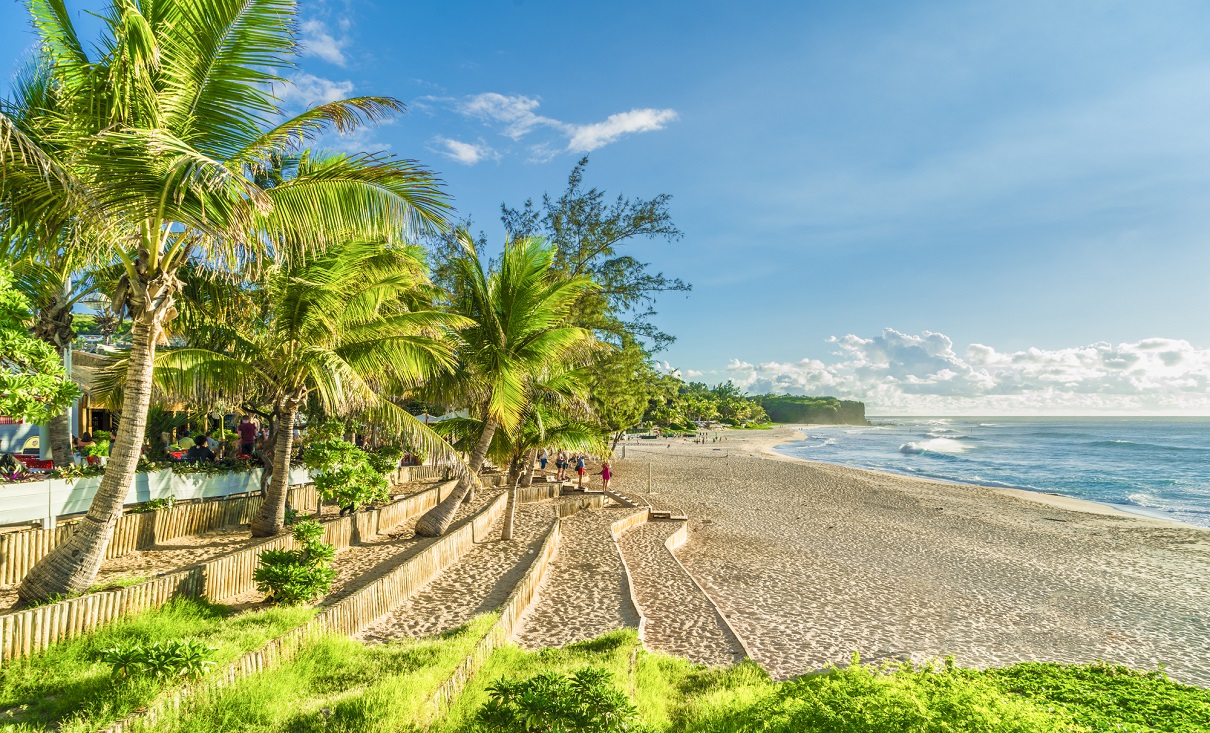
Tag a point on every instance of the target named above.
point(1156, 466)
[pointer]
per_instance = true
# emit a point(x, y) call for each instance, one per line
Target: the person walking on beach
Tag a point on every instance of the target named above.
point(606, 474)
point(561, 464)
point(542, 459)
point(581, 470)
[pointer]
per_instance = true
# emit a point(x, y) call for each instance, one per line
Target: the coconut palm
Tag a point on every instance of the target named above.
point(171, 123)
point(331, 328)
point(519, 327)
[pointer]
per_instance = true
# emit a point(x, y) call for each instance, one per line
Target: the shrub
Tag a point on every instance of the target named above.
point(162, 660)
point(585, 702)
point(298, 575)
point(343, 473)
point(385, 459)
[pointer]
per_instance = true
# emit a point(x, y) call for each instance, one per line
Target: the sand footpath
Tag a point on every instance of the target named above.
point(810, 562)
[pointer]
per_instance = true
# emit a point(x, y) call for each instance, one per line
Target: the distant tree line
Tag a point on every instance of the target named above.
point(825, 410)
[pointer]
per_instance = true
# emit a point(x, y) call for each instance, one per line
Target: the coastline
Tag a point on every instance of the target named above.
point(810, 562)
point(1050, 499)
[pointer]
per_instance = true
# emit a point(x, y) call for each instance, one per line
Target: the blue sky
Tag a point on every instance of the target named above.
point(873, 195)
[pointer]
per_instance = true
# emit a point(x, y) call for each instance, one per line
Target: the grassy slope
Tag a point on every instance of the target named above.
point(68, 686)
point(337, 684)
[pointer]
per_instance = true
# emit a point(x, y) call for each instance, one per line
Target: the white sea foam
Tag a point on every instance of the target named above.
point(933, 445)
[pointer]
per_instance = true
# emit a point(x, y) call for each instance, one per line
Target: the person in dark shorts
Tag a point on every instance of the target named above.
point(247, 435)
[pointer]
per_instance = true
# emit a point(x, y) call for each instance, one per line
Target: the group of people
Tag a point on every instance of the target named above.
point(565, 461)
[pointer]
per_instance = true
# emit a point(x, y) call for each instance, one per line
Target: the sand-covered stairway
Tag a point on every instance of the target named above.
point(478, 583)
point(681, 620)
point(585, 590)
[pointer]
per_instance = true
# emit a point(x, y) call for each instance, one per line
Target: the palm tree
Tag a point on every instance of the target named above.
point(519, 326)
point(171, 133)
point(332, 327)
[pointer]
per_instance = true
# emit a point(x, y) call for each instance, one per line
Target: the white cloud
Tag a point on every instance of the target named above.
point(318, 40)
point(897, 373)
point(463, 152)
point(516, 117)
point(304, 90)
point(586, 138)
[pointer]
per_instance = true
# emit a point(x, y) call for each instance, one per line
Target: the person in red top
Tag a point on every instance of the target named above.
point(247, 435)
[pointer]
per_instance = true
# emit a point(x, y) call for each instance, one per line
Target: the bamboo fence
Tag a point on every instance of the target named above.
point(25, 632)
point(348, 616)
point(20, 551)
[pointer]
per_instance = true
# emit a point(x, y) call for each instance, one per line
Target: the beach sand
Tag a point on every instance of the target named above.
point(812, 562)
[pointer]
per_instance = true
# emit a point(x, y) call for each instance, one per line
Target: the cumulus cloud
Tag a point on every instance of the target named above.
point(517, 117)
point(898, 373)
point(463, 152)
point(319, 40)
point(304, 90)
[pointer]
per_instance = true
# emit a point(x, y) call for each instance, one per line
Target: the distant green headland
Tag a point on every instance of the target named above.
point(823, 410)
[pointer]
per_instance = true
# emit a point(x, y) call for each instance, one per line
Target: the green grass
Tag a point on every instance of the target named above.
point(613, 651)
point(119, 583)
point(753, 426)
point(67, 688)
point(337, 684)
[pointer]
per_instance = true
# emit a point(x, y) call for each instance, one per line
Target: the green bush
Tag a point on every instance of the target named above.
point(344, 474)
point(584, 702)
point(163, 660)
point(298, 575)
point(385, 459)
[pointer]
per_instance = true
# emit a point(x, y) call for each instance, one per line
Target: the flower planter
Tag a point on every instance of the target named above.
point(300, 476)
point(151, 485)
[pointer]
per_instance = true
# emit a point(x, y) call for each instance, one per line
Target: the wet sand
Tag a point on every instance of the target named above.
point(811, 562)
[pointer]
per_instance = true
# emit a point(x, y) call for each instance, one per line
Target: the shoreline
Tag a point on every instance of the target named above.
point(1047, 498)
point(811, 561)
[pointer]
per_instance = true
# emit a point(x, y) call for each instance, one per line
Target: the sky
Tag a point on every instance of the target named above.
point(934, 207)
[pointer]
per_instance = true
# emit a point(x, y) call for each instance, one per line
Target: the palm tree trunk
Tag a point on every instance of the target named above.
point(72, 566)
point(510, 512)
point(527, 476)
point(437, 520)
point(59, 428)
point(271, 517)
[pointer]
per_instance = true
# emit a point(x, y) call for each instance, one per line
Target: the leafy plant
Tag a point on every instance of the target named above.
point(584, 702)
point(153, 505)
point(344, 473)
point(385, 459)
point(162, 660)
point(298, 575)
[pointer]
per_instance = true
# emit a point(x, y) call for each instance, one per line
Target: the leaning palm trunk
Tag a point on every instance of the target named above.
point(72, 566)
point(437, 520)
point(527, 476)
point(510, 512)
point(271, 517)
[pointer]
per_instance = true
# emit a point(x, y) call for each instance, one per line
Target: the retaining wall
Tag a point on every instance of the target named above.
point(20, 551)
point(25, 632)
point(615, 531)
point(348, 616)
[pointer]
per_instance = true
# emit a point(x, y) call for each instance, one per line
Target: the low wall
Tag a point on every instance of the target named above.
point(348, 616)
point(527, 494)
point(20, 551)
point(501, 632)
point(615, 530)
point(25, 632)
point(676, 540)
point(575, 505)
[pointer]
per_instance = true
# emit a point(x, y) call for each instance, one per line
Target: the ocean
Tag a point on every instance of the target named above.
point(1154, 466)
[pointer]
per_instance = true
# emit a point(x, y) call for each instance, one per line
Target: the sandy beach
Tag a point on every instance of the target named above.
point(812, 562)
